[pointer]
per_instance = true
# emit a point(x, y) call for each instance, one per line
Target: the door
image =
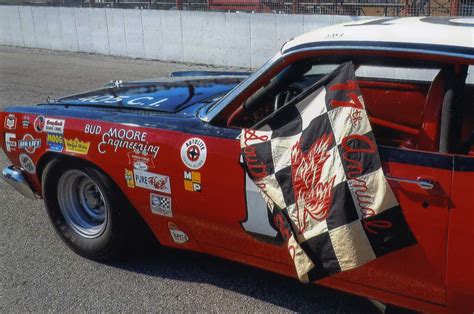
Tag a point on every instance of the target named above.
point(421, 182)
point(224, 210)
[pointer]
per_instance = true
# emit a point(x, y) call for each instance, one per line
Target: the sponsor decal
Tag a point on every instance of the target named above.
point(29, 143)
point(55, 142)
point(161, 205)
point(54, 126)
point(27, 163)
point(129, 178)
point(10, 142)
point(194, 153)
point(117, 138)
point(26, 122)
point(192, 181)
point(178, 235)
point(10, 122)
point(140, 160)
point(76, 146)
point(38, 124)
point(152, 181)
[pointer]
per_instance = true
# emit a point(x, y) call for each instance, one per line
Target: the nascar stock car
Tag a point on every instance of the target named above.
point(167, 152)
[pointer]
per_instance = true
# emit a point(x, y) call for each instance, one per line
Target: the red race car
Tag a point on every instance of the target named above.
point(167, 153)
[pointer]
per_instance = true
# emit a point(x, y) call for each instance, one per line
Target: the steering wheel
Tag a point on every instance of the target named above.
point(285, 96)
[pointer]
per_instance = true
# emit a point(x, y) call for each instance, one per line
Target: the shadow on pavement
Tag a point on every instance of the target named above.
point(268, 287)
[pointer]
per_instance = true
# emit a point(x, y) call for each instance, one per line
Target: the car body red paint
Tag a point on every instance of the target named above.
point(210, 205)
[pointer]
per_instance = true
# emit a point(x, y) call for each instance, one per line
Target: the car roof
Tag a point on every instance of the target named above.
point(453, 36)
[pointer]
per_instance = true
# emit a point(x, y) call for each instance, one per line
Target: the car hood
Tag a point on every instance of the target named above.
point(166, 96)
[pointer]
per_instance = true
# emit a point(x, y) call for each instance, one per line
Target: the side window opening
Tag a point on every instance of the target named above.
point(404, 98)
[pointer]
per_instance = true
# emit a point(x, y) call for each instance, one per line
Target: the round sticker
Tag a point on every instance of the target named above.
point(194, 153)
point(27, 163)
point(39, 124)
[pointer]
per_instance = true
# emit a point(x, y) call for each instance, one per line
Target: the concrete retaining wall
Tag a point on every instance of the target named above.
point(222, 39)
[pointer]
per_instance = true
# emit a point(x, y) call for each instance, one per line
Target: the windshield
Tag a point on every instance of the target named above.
point(221, 103)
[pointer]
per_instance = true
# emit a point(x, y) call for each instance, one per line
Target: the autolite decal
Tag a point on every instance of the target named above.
point(29, 143)
point(76, 146)
point(152, 181)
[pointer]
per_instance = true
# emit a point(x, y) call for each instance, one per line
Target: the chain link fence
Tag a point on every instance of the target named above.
point(390, 8)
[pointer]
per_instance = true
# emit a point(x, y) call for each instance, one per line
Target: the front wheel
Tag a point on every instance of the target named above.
point(86, 210)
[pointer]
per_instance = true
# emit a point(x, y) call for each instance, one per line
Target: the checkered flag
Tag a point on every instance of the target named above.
point(317, 165)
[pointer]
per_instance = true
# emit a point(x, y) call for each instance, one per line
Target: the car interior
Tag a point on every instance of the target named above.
point(412, 104)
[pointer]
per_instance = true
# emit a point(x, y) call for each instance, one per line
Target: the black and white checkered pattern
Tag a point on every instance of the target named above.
point(161, 205)
point(317, 165)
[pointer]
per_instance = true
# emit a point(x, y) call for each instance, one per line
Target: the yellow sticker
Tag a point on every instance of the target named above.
point(129, 178)
point(77, 146)
point(192, 181)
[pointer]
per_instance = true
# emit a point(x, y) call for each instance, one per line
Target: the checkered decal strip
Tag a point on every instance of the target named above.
point(317, 165)
point(161, 205)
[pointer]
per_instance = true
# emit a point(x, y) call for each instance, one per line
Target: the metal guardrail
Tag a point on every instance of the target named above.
point(392, 8)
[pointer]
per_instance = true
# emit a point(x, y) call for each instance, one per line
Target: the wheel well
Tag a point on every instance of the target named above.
point(50, 156)
point(144, 232)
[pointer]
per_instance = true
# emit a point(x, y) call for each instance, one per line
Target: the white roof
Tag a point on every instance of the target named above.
point(457, 32)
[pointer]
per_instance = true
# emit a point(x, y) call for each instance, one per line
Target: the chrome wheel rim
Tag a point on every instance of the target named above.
point(82, 204)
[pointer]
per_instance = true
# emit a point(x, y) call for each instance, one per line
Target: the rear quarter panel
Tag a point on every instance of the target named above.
point(117, 148)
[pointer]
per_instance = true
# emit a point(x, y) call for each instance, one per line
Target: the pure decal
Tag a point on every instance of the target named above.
point(194, 153)
point(10, 142)
point(27, 164)
point(321, 177)
point(76, 146)
point(177, 234)
point(192, 181)
point(29, 143)
point(152, 181)
point(161, 205)
point(10, 122)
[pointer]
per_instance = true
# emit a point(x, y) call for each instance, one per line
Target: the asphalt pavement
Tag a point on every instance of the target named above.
point(39, 273)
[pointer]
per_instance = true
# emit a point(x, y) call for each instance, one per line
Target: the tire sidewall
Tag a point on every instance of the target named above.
point(108, 242)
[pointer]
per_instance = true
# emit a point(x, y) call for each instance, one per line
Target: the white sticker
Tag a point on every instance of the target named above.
point(194, 153)
point(10, 142)
point(54, 126)
point(152, 181)
point(161, 205)
point(178, 236)
point(10, 122)
point(27, 163)
point(29, 143)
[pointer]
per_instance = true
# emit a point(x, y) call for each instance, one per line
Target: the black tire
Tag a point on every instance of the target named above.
point(120, 216)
